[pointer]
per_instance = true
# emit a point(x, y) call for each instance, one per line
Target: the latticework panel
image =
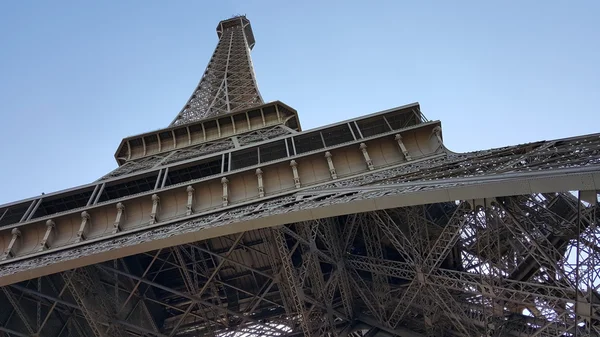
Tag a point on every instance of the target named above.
point(228, 83)
point(511, 266)
point(516, 265)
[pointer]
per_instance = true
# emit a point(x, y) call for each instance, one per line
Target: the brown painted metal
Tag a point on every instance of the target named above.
point(235, 222)
point(97, 221)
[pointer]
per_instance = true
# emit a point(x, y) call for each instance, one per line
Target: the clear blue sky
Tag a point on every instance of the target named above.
point(77, 76)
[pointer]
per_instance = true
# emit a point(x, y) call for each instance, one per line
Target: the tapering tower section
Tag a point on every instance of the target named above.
point(229, 82)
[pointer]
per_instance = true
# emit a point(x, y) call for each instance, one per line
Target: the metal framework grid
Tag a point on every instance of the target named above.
point(228, 83)
point(506, 265)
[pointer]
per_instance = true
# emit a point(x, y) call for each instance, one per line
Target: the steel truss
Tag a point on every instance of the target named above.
point(228, 83)
point(506, 264)
point(509, 266)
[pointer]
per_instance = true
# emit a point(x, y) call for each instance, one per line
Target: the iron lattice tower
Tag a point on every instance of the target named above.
point(233, 221)
point(228, 83)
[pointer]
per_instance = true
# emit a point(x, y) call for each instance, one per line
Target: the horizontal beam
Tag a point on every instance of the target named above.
point(282, 211)
point(587, 173)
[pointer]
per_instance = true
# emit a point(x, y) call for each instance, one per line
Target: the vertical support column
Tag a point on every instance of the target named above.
point(293, 145)
point(294, 166)
point(128, 150)
point(224, 182)
point(99, 194)
point(144, 145)
point(398, 139)
point(360, 135)
point(190, 198)
point(261, 189)
point(437, 131)
point(262, 115)
point(388, 124)
point(50, 225)
point(368, 161)
point(322, 139)
point(351, 131)
point(155, 201)
point(31, 205)
point(93, 196)
point(278, 113)
point(233, 124)
point(157, 183)
point(287, 147)
point(292, 280)
point(85, 218)
point(330, 163)
point(13, 245)
point(164, 179)
point(32, 213)
point(586, 258)
point(248, 120)
point(117, 223)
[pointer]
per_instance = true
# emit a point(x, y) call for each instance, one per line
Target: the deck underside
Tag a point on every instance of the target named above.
point(482, 244)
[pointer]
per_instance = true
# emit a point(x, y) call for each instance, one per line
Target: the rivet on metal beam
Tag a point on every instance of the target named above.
point(13, 245)
point(261, 188)
point(330, 163)
point(224, 182)
point(50, 225)
point(398, 139)
point(294, 166)
point(85, 218)
point(190, 198)
point(117, 223)
point(155, 201)
point(368, 161)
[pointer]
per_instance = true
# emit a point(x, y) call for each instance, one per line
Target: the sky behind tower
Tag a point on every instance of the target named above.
point(77, 77)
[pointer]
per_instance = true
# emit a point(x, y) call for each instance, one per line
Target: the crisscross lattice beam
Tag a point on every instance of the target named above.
point(228, 83)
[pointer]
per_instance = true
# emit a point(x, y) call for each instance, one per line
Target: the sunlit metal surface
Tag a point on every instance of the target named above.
point(244, 225)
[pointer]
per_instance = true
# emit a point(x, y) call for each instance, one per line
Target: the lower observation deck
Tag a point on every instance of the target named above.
point(365, 234)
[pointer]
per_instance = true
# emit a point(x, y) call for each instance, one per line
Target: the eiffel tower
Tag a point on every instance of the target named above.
point(233, 221)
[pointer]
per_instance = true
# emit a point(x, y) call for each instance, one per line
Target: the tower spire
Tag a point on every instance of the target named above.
point(229, 82)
